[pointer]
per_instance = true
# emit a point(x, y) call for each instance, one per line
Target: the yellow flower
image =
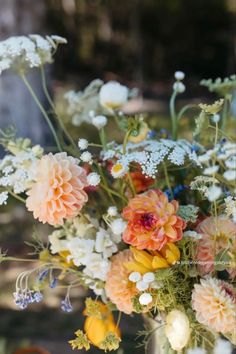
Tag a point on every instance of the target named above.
point(145, 262)
point(101, 326)
point(139, 135)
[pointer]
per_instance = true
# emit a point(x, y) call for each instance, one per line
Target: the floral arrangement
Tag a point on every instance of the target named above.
point(148, 223)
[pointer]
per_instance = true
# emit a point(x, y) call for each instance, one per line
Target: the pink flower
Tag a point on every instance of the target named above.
point(215, 305)
point(152, 221)
point(58, 192)
point(218, 234)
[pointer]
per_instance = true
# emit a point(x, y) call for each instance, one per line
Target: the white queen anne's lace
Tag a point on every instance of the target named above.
point(149, 154)
point(24, 52)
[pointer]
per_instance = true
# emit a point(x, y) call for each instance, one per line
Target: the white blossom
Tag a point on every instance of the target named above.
point(145, 299)
point(148, 277)
point(213, 193)
point(104, 243)
point(99, 121)
point(230, 203)
point(93, 179)
point(3, 198)
point(80, 250)
point(134, 277)
point(223, 347)
point(118, 226)
point(230, 175)
point(24, 52)
point(177, 329)
point(216, 118)
point(179, 75)
point(197, 351)
point(86, 156)
point(231, 162)
point(142, 285)
point(193, 234)
point(179, 87)
point(112, 211)
point(149, 154)
point(56, 243)
point(113, 95)
point(97, 267)
point(209, 171)
point(83, 144)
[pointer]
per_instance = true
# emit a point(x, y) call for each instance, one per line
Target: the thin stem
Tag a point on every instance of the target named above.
point(167, 179)
point(186, 108)
point(131, 184)
point(224, 113)
point(173, 115)
point(16, 196)
point(50, 101)
point(102, 137)
point(41, 108)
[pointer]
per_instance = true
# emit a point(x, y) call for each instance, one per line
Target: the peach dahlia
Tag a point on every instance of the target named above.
point(152, 221)
point(58, 191)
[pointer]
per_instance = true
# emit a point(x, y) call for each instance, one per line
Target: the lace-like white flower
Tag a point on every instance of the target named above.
point(3, 198)
point(24, 52)
point(17, 172)
point(149, 154)
point(230, 203)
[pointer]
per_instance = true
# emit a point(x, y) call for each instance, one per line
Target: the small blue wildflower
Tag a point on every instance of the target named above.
point(195, 148)
point(38, 296)
point(43, 275)
point(223, 141)
point(178, 189)
point(66, 305)
point(151, 134)
point(53, 283)
point(168, 194)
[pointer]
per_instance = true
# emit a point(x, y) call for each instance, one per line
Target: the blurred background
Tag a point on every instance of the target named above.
point(139, 43)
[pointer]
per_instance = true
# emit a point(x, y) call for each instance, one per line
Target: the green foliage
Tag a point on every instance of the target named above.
point(188, 212)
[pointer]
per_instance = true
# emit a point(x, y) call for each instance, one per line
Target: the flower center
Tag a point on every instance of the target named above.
point(148, 220)
point(228, 291)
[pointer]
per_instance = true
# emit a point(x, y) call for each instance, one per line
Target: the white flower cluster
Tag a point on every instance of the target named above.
point(89, 246)
point(222, 346)
point(31, 51)
point(230, 207)
point(149, 154)
point(82, 105)
point(97, 99)
point(18, 171)
point(221, 159)
point(143, 283)
point(3, 198)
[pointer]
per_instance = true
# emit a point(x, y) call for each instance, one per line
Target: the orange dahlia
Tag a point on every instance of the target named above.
point(58, 192)
point(218, 235)
point(118, 287)
point(152, 221)
point(215, 304)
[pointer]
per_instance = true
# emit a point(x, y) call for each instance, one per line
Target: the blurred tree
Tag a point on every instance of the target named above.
point(18, 17)
point(143, 39)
